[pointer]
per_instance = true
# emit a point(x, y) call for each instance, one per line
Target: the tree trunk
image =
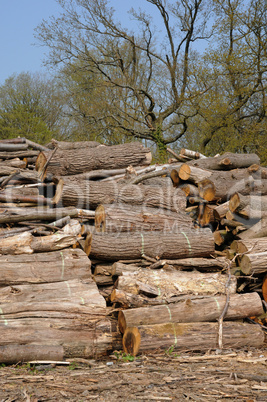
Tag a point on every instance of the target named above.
point(72, 145)
point(250, 245)
point(47, 299)
point(196, 336)
point(172, 283)
point(89, 194)
point(238, 202)
point(75, 161)
point(256, 231)
point(227, 161)
point(78, 337)
point(180, 244)
point(198, 310)
point(255, 263)
point(116, 218)
point(44, 267)
point(14, 215)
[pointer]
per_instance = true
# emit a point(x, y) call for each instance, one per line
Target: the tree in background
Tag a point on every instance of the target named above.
point(142, 77)
point(232, 115)
point(30, 106)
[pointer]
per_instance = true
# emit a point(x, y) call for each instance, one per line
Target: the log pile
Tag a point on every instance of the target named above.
point(102, 250)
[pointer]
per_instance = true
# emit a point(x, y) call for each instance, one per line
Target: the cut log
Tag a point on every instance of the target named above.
point(89, 194)
point(258, 172)
point(201, 264)
point(71, 162)
point(44, 267)
point(227, 161)
point(172, 283)
point(207, 309)
point(116, 218)
point(196, 336)
point(254, 264)
point(70, 297)
point(19, 215)
point(256, 231)
point(78, 337)
point(250, 245)
point(221, 210)
point(72, 145)
point(238, 202)
point(180, 244)
point(191, 154)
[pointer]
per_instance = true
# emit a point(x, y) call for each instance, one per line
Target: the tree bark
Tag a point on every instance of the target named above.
point(14, 215)
point(227, 161)
point(72, 145)
point(255, 263)
point(55, 266)
point(71, 162)
point(197, 310)
point(89, 194)
point(196, 336)
point(256, 231)
point(71, 297)
point(116, 218)
point(78, 337)
point(180, 244)
point(250, 245)
point(172, 283)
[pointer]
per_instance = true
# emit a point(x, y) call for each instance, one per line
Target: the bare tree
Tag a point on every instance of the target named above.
point(145, 71)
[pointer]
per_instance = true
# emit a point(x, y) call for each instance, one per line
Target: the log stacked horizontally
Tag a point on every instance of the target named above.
point(88, 230)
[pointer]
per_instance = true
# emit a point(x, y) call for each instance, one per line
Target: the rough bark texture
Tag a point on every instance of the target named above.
point(172, 283)
point(180, 244)
point(124, 218)
point(72, 145)
point(78, 337)
point(250, 245)
point(227, 161)
point(197, 310)
point(196, 336)
point(44, 267)
point(71, 162)
point(89, 194)
point(254, 263)
point(256, 231)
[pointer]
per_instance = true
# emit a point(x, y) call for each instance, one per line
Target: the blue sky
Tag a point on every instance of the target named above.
point(18, 18)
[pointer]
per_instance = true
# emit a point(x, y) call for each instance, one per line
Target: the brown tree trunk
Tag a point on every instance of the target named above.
point(77, 337)
point(227, 161)
point(70, 297)
point(180, 244)
point(124, 218)
point(72, 145)
point(250, 245)
point(44, 267)
point(172, 283)
point(14, 215)
point(256, 231)
point(196, 336)
point(89, 194)
point(75, 161)
point(197, 310)
point(254, 263)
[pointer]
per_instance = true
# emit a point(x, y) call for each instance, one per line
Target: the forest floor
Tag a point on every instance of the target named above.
point(226, 375)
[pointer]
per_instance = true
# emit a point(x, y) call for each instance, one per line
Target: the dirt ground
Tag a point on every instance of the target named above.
point(167, 376)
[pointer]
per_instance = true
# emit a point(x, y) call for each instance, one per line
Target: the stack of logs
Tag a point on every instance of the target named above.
point(102, 250)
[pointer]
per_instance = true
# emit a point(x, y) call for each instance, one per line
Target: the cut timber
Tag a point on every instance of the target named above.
point(221, 210)
point(264, 288)
point(13, 215)
point(190, 336)
point(196, 310)
point(201, 264)
point(12, 354)
point(71, 162)
point(193, 174)
point(227, 161)
point(44, 267)
point(89, 194)
point(123, 218)
point(238, 202)
point(172, 283)
point(72, 145)
point(254, 263)
point(182, 244)
point(256, 231)
point(258, 172)
point(190, 190)
point(78, 337)
point(67, 297)
point(191, 154)
point(250, 245)
point(128, 300)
